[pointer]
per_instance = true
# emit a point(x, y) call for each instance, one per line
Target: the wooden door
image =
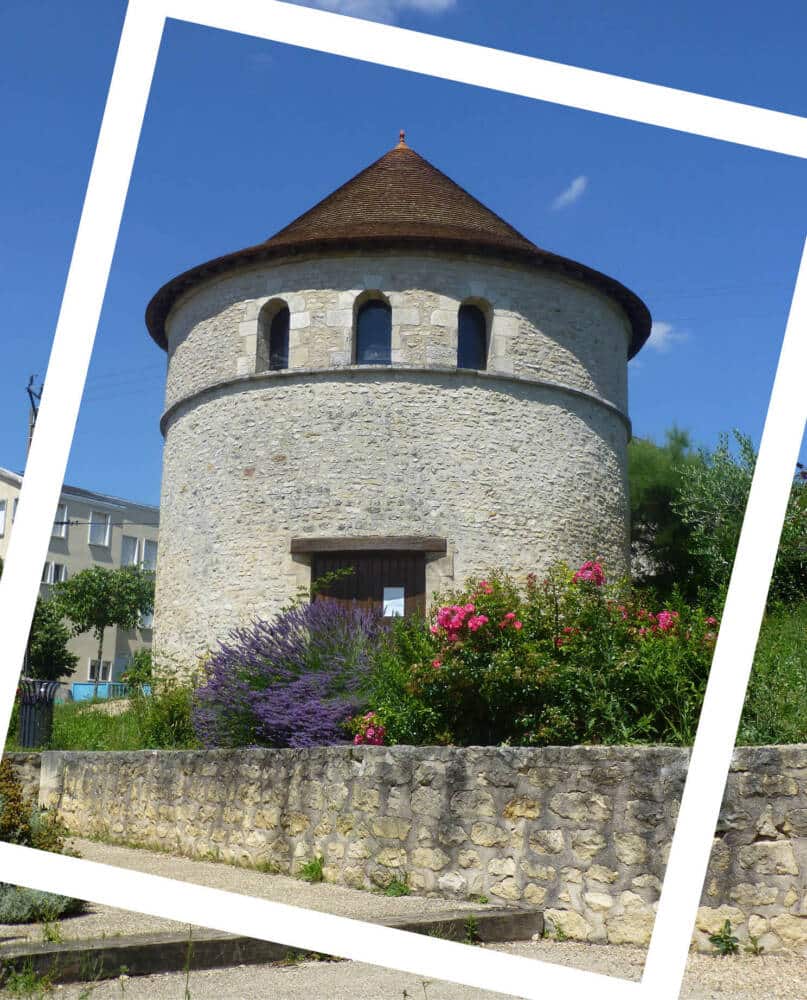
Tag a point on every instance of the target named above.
point(372, 574)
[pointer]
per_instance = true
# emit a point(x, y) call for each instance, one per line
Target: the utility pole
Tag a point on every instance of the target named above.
point(34, 397)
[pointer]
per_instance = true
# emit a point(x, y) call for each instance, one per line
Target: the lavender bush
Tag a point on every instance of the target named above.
point(289, 682)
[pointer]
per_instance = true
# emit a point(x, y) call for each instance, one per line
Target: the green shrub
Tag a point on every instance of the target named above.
point(569, 659)
point(21, 819)
point(390, 685)
point(27, 906)
point(775, 708)
point(140, 669)
point(163, 718)
point(23, 822)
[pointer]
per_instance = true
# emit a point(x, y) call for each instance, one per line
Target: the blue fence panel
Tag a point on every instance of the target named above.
point(86, 690)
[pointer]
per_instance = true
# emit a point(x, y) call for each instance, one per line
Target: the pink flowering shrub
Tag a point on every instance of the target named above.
point(367, 730)
point(565, 659)
point(590, 572)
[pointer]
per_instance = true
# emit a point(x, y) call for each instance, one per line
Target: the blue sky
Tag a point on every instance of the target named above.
point(242, 135)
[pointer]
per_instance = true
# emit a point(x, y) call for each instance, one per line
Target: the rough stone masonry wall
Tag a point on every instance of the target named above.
point(581, 832)
point(510, 474)
point(543, 325)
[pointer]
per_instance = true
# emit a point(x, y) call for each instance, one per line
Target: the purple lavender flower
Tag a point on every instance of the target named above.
point(289, 682)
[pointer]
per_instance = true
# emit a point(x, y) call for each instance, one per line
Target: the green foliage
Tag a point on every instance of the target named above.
point(775, 708)
point(159, 721)
point(567, 660)
point(398, 885)
point(163, 718)
point(77, 727)
point(390, 685)
point(27, 906)
point(140, 669)
point(754, 947)
point(471, 928)
point(312, 871)
point(711, 501)
point(97, 598)
point(48, 657)
point(22, 821)
point(724, 942)
point(52, 931)
point(26, 982)
point(659, 538)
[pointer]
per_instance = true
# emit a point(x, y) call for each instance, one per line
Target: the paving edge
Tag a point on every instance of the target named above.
point(145, 954)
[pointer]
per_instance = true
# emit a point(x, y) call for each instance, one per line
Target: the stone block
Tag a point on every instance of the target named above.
point(569, 923)
point(769, 858)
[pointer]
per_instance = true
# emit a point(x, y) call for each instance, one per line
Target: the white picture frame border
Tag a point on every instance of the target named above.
point(510, 73)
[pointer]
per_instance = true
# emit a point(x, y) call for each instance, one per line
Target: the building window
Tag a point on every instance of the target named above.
point(149, 554)
point(14, 509)
point(129, 548)
point(99, 528)
point(273, 337)
point(94, 674)
point(2, 518)
point(374, 333)
point(147, 620)
point(60, 522)
point(279, 341)
point(54, 572)
point(472, 338)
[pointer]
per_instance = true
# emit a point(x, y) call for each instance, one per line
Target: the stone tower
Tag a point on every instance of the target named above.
point(399, 383)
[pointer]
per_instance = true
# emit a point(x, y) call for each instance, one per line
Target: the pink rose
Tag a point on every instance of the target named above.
point(590, 572)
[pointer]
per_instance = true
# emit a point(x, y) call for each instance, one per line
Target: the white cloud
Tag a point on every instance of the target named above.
point(571, 194)
point(381, 10)
point(664, 336)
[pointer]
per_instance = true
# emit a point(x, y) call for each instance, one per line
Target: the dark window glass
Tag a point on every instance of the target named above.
point(472, 339)
point(279, 341)
point(373, 333)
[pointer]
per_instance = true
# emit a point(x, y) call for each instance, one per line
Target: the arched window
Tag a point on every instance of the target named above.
point(472, 338)
point(273, 337)
point(279, 341)
point(373, 333)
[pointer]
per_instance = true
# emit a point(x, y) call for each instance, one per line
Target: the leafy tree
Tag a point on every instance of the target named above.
point(48, 657)
point(711, 502)
point(97, 598)
point(660, 539)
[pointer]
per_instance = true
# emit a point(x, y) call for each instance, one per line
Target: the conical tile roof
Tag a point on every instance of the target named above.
point(402, 196)
point(399, 201)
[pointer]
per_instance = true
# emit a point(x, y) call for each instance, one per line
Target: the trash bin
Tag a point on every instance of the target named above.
point(36, 711)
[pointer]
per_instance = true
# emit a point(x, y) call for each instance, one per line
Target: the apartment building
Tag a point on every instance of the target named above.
point(91, 529)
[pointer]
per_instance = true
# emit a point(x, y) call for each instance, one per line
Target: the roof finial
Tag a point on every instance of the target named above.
point(402, 140)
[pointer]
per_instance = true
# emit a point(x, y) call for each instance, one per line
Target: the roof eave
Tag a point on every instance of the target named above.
point(163, 301)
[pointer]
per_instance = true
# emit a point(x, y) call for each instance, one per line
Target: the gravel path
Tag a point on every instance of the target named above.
point(743, 977)
point(104, 921)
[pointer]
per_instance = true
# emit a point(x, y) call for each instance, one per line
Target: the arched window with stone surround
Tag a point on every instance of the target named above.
point(374, 333)
point(273, 337)
point(472, 338)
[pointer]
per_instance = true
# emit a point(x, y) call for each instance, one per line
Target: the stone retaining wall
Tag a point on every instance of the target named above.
point(581, 832)
point(26, 767)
